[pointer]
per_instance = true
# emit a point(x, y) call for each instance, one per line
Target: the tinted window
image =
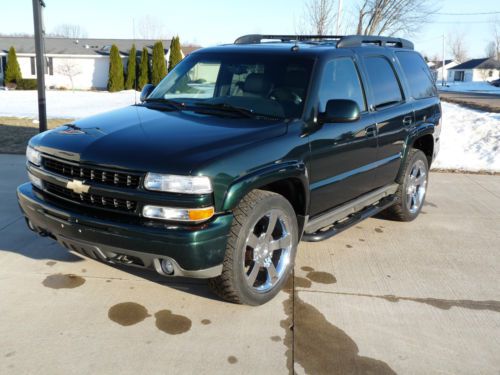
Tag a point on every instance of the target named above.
point(341, 81)
point(418, 75)
point(385, 86)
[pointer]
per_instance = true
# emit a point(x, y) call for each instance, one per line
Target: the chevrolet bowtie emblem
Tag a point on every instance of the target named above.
point(78, 186)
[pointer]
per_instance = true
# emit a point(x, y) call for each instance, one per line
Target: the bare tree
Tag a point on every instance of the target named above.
point(68, 30)
point(389, 17)
point(151, 28)
point(318, 17)
point(493, 48)
point(456, 46)
point(70, 69)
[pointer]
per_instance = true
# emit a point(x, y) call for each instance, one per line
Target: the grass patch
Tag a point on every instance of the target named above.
point(16, 132)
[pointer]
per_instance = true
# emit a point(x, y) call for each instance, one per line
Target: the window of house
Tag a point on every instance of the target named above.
point(459, 76)
point(418, 75)
point(341, 81)
point(385, 86)
point(490, 73)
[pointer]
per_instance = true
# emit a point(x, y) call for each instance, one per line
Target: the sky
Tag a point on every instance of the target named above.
point(222, 21)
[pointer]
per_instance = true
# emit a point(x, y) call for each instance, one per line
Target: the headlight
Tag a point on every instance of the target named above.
point(33, 156)
point(178, 214)
point(178, 184)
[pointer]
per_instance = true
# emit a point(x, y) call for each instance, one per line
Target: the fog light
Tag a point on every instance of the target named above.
point(167, 266)
point(37, 182)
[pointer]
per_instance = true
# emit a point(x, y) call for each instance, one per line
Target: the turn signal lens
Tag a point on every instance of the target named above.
point(178, 214)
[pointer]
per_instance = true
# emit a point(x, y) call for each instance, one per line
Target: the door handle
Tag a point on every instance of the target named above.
point(407, 120)
point(371, 130)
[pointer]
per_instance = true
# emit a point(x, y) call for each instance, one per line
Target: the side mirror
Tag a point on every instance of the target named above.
point(146, 90)
point(340, 110)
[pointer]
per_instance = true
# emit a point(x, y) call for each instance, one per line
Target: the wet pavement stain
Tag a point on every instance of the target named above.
point(10, 354)
point(128, 313)
point(108, 281)
point(443, 304)
point(378, 230)
point(321, 277)
point(301, 282)
point(206, 322)
point(275, 338)
point(60, 281)
point(84, 270)
point(307, 268)
point(232, 359)
point(171, 323)
point(319, 346)
point(50, 263)
point(361, 240)
point(348, 246)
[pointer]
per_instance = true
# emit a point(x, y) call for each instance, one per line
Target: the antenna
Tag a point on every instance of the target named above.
point(135, 57)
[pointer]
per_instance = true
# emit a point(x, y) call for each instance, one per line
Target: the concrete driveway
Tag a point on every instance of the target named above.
point(381, 298)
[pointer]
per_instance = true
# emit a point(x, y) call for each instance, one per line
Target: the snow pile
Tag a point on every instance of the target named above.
point(63, 104)
point(481, 87)
point(470, 140)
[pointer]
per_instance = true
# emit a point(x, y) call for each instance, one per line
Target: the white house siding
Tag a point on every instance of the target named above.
point(480, 75)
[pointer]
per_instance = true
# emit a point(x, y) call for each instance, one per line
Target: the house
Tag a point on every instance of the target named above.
point(475, 70)
point(83, 61)
point(436, 68)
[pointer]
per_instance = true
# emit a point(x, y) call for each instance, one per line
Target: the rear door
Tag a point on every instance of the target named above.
point(342, 154)
point(394, 114)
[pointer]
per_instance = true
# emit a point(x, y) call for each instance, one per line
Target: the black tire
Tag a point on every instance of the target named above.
point(402, 211)
point(232, 284)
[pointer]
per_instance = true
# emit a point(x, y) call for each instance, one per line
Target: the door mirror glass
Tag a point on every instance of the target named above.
point(340, 110)
point(146, 90)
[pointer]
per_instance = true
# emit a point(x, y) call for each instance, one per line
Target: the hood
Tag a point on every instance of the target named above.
point(143, 139)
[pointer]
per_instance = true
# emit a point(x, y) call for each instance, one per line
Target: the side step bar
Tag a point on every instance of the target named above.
point(351, 220)
point(343, 214)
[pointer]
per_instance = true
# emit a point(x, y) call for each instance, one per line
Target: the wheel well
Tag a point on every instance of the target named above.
point(426, 145)
point(292, 190)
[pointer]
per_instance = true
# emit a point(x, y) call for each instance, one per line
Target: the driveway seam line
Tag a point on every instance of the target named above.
point(12, 222)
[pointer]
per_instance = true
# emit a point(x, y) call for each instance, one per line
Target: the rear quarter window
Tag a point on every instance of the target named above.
point(418, 75)
point(385, 86)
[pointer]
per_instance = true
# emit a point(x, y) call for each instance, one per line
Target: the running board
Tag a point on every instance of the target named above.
point(343, 213)
point(351, 220)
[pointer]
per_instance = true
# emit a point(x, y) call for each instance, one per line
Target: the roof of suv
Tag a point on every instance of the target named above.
point(310, 43)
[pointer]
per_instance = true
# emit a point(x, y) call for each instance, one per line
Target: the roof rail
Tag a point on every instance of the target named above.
point(258, 38)
point(343, 41)
point(382, 41)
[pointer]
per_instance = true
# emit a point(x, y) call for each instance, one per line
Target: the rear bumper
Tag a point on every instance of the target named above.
point(195, 251)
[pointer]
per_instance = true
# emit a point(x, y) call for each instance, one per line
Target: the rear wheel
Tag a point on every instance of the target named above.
point(411, 191)
point(261, 249)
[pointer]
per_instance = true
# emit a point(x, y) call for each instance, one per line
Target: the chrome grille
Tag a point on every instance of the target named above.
point(96, 200)
point(93, 174)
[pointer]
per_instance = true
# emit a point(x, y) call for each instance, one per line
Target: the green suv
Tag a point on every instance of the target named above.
point(242, 151)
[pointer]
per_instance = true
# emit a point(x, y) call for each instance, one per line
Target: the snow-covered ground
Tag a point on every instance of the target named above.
point(63, 104)
point(470, 140)
point(481, 87)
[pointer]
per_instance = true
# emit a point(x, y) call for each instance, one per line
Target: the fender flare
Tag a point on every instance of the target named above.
point(264, 176)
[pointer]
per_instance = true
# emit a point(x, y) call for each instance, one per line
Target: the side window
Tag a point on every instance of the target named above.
point(418, 75)
point(385, 86)
point(341, 81)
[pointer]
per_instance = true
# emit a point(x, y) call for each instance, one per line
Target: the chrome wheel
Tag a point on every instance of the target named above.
point(267, 251)
point(416, 187)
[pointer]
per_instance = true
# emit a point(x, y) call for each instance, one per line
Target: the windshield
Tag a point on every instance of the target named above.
point(267, 85)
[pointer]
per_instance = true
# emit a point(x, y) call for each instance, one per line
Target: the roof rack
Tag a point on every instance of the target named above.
point(343, 41)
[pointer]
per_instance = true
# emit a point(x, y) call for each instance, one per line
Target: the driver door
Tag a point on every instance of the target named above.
point(342, 154)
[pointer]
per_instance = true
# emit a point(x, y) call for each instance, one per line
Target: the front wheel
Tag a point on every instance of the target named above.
point(261, 249)
point(412, 189)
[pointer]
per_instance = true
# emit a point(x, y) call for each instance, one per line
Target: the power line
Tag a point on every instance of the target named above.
point(467, 14)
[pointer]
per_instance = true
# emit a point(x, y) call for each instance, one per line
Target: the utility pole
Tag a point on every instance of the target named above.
point(339, 15)
point(40, 62)
point(444, 60)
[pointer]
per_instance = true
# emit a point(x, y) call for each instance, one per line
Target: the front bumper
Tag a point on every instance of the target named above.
point(196, 251)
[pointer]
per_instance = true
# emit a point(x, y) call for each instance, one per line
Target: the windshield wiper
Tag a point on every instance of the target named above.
point(172, 103)
point(224, 107)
